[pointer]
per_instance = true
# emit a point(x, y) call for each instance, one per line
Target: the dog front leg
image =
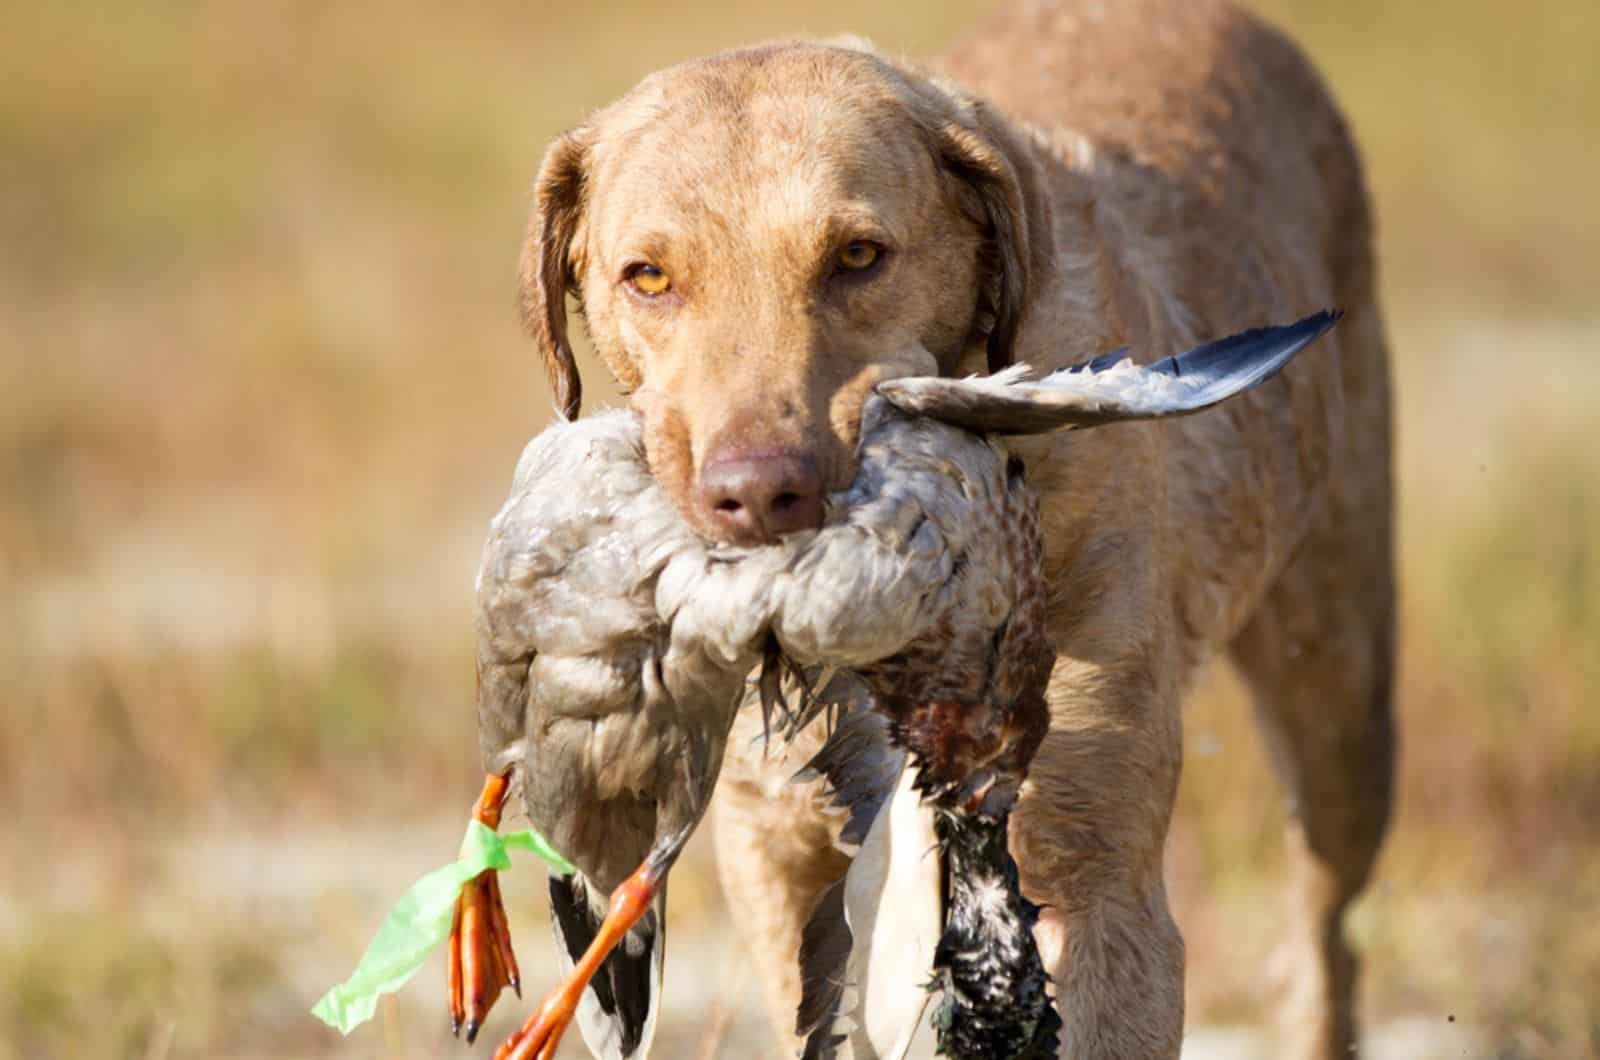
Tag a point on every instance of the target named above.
point(1088, 835)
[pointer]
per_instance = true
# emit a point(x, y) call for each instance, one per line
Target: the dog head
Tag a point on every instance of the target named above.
point(759, 238)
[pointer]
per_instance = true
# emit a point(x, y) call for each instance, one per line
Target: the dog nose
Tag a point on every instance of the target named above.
point(751, 498)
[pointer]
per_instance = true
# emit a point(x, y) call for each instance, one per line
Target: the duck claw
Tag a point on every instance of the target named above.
point(479, 961)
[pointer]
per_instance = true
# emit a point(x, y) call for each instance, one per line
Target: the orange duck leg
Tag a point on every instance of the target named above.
point(479, 963)
point(539, 1037)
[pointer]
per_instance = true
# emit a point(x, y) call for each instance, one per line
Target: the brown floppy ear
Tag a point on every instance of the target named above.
point(977, 148)
point(549, 268)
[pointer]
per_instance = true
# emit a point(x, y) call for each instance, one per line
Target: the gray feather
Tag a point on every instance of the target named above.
point(824, 955)
point(858, 766)
point(1108, 389)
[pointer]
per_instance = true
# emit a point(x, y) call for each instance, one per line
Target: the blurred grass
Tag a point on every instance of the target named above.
point(261, 386)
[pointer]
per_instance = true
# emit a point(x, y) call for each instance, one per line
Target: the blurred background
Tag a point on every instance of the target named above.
point(262, 385)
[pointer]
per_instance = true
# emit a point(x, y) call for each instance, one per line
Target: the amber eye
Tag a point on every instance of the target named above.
point(647, 279)
point(858, 255)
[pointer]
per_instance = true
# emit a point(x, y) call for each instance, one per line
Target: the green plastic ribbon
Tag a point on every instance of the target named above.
point(420, 920)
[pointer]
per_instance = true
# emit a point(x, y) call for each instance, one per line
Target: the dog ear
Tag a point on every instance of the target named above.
point(1108, 389)
point(979, 150)
point(549, 269)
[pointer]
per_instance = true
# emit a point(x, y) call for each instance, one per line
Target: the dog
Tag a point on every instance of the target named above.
point(758, 238)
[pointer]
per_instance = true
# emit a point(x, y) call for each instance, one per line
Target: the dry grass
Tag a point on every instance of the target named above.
point(261, 386)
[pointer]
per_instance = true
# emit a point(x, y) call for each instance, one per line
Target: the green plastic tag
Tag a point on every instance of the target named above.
point(420, 920)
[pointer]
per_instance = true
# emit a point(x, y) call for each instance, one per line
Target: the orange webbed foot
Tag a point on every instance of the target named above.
point(479, 963)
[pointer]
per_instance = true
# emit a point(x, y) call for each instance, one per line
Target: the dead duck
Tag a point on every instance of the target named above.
point(614, 648)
